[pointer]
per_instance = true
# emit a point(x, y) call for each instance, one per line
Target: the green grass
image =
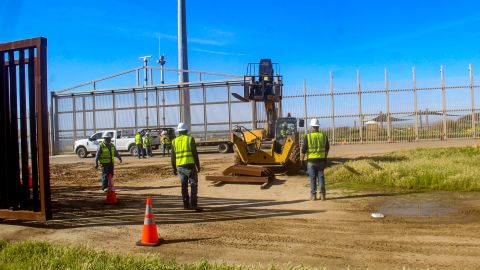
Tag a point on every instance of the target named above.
point(449, 169)
point(43, 255)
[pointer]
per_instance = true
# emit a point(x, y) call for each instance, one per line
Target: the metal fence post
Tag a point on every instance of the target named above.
point(387, 107)
point(229, 100)
point(332, 100)
point(151, 76)
point(163, 107)
point(444, 103)
point(305, 105)
point(93, 113)
point(360, 114)
point(114, 111)
point(146, 109)
point(138, 76)
point(53, 125)
point(472, 95)
point(415, 108)
point(254, 114)
point(280, 109)
point(84, 117)
point(74, 109)
point(135, 108)
point(205, 124)
point(157, 104)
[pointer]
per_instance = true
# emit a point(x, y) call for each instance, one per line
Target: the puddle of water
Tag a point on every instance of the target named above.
point(425, 205)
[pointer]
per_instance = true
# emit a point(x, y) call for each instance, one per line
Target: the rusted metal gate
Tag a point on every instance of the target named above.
point(25, 183)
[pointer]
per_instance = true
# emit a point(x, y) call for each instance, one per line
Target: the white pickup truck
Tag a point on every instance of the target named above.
point(124, 140)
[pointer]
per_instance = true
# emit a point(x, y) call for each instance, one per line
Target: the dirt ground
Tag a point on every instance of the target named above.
point(248, 225)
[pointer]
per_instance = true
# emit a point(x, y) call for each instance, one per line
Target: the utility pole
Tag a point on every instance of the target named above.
point(161, 61)
point(183, 64)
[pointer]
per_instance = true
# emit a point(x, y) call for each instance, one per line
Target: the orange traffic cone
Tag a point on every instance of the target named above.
point(111, 195)
point(149, 231)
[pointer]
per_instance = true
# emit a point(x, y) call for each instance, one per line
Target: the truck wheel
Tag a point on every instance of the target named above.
point(223, 148)
point(82, 152)
point(133, 150)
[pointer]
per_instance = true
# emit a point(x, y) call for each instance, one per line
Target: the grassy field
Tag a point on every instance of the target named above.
point(449, 169)
point(43, 255)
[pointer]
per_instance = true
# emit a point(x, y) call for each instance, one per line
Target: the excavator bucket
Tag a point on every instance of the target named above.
point(244, 174)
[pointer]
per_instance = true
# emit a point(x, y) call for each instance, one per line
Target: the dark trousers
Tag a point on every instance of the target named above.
point(166, 147)
point(189, 175)
point(140, 150)
point(106, 170)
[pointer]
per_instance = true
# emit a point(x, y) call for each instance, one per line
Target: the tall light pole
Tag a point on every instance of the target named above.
point(162, 62)
point(183, 64)
point(145, 65)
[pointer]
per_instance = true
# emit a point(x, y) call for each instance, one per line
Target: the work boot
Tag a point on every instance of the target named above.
point(186, 206)
point(323, 197)
point(312, 198)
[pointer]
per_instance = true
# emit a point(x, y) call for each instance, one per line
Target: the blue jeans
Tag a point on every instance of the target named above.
point(106, 170)
point(140, 150)
point(189, 175)
point(315, 172)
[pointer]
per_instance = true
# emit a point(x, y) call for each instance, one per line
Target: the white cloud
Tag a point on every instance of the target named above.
point(217, 52)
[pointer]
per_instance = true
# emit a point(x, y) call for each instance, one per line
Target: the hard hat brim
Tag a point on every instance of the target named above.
point(181, 129)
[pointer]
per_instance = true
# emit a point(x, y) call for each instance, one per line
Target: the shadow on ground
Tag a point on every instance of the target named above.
point(75, 207)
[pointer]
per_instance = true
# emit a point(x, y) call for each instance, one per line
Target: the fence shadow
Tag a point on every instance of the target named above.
point(77, 207)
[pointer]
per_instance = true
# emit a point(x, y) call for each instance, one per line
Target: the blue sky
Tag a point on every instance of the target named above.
point(91, 39)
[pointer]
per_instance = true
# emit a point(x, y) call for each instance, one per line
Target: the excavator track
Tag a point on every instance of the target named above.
point(244, 174)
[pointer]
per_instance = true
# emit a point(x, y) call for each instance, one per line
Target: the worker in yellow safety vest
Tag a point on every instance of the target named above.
point(185, 162)
point(315, 147)
point(138, 143)
point(106, 154)
point(147, 144)
point(166, 143)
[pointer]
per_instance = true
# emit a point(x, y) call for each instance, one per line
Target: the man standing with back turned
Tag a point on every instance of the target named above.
point(106, 154)
point(185, 161)
point(139, 142)
point(315, 146)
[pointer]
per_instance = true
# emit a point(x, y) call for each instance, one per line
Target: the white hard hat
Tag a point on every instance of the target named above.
point(314, 123)
point(164, 132)
point(106, 136)
point(182, 127)
point(146, 133)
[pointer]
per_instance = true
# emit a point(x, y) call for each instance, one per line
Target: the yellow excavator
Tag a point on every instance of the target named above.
point(259, 153)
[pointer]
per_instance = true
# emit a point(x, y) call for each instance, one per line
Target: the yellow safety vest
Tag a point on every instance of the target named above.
point(138, 138)
point(147, 141)
point(316, 145)
point(107, 156)
point(165, 140)
point(183, 151)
